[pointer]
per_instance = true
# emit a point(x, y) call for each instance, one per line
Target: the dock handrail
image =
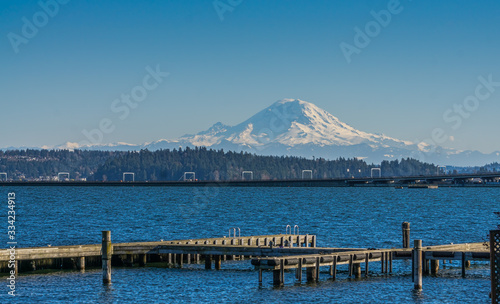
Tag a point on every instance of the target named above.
point(286, 229)
point(234, 232)
point(295, 233)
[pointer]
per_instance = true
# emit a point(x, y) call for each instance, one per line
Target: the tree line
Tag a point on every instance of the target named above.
point(30, 164)
point(208, 164)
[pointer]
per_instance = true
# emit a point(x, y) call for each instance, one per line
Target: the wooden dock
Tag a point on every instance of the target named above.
point(268, 253)
point(355, 258)
point(30, 259)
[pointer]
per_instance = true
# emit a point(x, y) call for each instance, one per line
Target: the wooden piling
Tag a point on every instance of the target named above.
point(282, 271)
point(406, 234)
point(80, 263)
point(16, 267)
point(277, 277)
point(494, 264)
point(299, 271)
point(317, 268)
point(390, 254)
point(260, 275)
point(142, 260)
point(350, 265)
point(434, 267)
point(386, 259)
point(129, 260)
point(224, 257)
point(382, 262)
point(412, 268)
point(417, 264)
point(233, 257)
point(367, 267)
point(463, 264)
point(357, 270)
point(208, 261)
point(107, 253)
point(311, 274)
point(425, 265)
point(217, 262)
point(334, 275)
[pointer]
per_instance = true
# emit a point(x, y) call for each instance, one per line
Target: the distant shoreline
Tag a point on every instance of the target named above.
point(255, 183)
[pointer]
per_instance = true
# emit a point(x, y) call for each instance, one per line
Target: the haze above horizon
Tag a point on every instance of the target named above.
point(162, 69)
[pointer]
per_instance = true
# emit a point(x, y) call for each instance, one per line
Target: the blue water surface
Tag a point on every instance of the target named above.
point(353, 217)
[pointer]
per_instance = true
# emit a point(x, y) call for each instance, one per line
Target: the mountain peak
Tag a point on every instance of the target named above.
point(295, 127)
point(291, 100)
point(293, 123)
point(215, 128)
point(292, 103)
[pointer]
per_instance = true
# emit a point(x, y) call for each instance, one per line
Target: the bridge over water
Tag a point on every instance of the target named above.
point(488, 179)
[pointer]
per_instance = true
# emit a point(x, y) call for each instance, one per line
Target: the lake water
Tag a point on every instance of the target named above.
point(354, 217)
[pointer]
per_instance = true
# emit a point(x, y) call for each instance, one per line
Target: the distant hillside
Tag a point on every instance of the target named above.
point(34, 164)
point(208, 164)
point(220, 165)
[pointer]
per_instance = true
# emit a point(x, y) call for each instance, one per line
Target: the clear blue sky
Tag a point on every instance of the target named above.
point(427, 59)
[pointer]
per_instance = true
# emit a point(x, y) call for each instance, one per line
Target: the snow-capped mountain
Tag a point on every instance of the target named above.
point(299, 128)
point(292, 122)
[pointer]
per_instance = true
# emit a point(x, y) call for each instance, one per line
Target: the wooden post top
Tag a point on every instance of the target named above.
point(106, 236)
